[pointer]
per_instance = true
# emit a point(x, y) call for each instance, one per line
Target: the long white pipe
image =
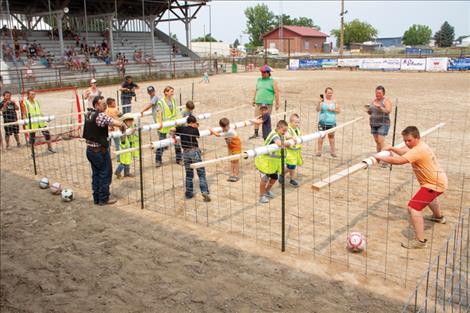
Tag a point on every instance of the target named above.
point(46, 118)
point(202, 133)
point(273, 147)
point(180, 121)
point(364, 164)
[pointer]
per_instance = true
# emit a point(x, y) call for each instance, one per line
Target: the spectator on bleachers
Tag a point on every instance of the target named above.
point(104, 44)
point(50, 61)
point(32, 51)
point(121, 66)
point(29, 76)
point(138, 56)
point(7, 52)
point(5, 30)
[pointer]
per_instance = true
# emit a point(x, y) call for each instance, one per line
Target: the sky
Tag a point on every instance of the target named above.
point(391, 18)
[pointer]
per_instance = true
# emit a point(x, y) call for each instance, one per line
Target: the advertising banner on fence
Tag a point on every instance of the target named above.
point(293, 64)
point(391, 64)
point(436, 64)
point(413, 64)
point(460, 64)
point(329, 62)
point(372, 64)
point(350, 62)
point(307, 63)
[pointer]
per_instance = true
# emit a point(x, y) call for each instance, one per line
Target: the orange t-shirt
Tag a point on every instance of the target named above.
point(234, 144)
point(426, 167)
point(114, 113)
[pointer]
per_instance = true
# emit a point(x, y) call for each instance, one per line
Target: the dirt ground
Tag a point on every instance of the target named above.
point(76, 257)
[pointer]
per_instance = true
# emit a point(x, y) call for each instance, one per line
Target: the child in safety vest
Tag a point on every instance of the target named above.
point(269, 164)
point(234, 147)
point(127, 142)
point(294, 153)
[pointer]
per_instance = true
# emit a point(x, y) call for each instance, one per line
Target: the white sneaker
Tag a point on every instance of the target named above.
point(269, 194)
point(263, 199)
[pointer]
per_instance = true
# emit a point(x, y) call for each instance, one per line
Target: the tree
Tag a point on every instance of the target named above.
point(260, 20)
point(207, 38)
point(445, 36)
point(236, 43)
point(417, 35)
point(173, 36)
point(355, 32)
point(301, 21)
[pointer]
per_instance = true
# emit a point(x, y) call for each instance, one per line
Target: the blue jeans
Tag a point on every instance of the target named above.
point(123, 167)
point(159, 152)
point(190, 157)
point(126, 105)
point(102, 172)
point(116, 145)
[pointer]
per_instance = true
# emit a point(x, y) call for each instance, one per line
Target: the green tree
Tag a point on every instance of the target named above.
point(259, 20)
point(207, 38)
point(301, 21)
point(355, 32)
point(417, 35)
point(236, 43)
point(445, 36)
point(173, 36)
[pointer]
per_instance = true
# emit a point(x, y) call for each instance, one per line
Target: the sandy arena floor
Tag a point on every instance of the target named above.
point(76, 257)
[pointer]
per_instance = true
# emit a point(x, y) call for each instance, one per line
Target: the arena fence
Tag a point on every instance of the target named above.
point(300, 220)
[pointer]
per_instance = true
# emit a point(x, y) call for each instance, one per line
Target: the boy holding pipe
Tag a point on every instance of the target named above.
point(294, 153)
point(270, 165)
point(191, 154)
point(234, 147)
point(431, 177)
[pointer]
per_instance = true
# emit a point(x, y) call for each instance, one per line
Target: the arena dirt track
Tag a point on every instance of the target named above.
point(76, 257)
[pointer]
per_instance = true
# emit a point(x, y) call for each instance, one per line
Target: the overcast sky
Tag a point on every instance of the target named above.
point(390, 18)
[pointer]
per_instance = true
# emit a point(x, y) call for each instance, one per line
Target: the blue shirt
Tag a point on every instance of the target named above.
point(266, 127)
point(327, 117)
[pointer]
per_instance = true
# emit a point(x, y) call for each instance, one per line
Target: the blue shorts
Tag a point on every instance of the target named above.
point(291, 166)
point(381, 130)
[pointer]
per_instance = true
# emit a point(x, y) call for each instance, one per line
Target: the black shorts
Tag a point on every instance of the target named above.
point(325, 127)
point(32, 136)
point(12, 129)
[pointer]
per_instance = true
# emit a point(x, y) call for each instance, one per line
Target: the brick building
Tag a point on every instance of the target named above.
point(302, 39)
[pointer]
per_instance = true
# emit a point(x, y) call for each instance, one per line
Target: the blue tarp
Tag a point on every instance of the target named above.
point(460, 64)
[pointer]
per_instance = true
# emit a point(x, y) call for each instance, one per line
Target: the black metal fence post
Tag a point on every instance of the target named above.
point(141, 174)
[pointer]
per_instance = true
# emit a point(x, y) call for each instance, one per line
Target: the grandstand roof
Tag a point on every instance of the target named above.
point(124, 8)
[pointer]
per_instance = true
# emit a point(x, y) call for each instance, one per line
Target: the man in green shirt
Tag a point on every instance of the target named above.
point(267, 92)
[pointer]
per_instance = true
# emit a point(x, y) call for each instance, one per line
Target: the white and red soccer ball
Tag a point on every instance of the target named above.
point(56, 188)
point(356, 241)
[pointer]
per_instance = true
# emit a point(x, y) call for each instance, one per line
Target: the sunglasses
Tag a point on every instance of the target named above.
point(265, 72)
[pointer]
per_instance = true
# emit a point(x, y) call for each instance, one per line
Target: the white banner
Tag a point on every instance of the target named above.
point(413, 64)
point(293, 64)
point(372, 64)
point(391, 64)
point(436, 64)
point(350, 62)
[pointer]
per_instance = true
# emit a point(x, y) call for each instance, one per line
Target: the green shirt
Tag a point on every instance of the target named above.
point(264, 91)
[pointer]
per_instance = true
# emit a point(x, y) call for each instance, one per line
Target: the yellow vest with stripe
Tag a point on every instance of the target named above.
point(167, 114)
point(125, 158)
point(269, 163)
point(34, 110)
point(294, 153)
point(134, 143)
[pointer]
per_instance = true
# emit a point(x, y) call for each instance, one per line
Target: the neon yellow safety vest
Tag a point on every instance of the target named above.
point(134, 143)
point(167, 114)
point(34, 110)
point(269, 163)
point(125, 158)
point(294, 154)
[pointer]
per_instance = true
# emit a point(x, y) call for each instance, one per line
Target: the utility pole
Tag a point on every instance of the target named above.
point(341, 39)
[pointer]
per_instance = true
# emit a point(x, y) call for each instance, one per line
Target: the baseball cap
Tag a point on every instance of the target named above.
point(150, 88)
point(265, 68)
point(93, 81)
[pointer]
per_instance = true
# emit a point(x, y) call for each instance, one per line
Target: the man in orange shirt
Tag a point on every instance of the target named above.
point(431, 177)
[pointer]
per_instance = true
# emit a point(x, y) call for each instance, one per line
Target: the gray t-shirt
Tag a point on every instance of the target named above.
point(155, 108)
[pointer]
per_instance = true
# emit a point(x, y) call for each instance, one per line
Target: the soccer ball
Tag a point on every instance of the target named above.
point(67, 195)
point(56, 188)
point(356, 242)
point(44, 183)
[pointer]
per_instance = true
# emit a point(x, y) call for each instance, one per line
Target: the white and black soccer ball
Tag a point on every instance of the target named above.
point(56, 188)
point(67, 195)
point(356, 241)
point(44, 183)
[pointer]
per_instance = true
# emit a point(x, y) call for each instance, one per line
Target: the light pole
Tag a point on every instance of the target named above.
point(341, 39)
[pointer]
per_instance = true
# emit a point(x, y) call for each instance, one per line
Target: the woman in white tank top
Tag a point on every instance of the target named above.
point(91, 92)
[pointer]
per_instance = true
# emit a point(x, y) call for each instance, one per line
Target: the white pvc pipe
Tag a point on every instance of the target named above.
point(47, 118)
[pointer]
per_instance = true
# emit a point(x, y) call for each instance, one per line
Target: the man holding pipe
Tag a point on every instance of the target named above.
point(270, 165)
point(431, 177)
point(33, 110)
point(95, 131)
